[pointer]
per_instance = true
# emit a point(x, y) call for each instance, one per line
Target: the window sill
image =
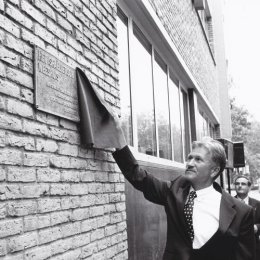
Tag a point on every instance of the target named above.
point(157, 162)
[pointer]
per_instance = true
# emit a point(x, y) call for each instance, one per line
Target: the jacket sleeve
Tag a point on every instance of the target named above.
point(246, 241)
point(154, 190)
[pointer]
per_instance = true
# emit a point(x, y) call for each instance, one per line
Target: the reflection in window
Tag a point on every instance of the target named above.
point(124, 77)
point(175, 121)
point(142, 86)
point(162, 108)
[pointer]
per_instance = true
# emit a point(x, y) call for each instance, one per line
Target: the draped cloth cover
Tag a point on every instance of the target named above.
point(98, 126)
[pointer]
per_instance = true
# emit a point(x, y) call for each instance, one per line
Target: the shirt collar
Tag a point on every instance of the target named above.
point(246, 200)
point(204, 192)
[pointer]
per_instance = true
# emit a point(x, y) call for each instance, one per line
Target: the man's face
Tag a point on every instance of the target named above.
point(242, 186)
point(200, 168)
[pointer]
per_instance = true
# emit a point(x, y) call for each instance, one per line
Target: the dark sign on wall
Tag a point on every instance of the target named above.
point(239, 156)
point(55, 86)
point(228, 145)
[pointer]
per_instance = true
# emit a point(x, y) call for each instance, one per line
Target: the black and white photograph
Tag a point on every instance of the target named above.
point(129, 130)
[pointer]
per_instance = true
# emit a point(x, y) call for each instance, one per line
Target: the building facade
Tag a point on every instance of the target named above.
point(159, 64)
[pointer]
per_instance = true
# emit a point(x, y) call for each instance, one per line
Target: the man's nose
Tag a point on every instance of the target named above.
point(190, 163)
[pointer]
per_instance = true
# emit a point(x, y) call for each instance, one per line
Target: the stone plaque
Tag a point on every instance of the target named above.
point(55, 86)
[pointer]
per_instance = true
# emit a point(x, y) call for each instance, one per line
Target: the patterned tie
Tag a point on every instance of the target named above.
point(188, 210)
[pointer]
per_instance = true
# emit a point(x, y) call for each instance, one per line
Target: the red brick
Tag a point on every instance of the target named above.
point(19, 77)
point(10, 227)
point(19, 17)
point(20, 108)
point(22, 242)
point(17, 174)
point(33, 12)
point(10, 156)
point(42, 5)
point(21, 207)
point(45, 35)
point(9, 56)
point(9, 26)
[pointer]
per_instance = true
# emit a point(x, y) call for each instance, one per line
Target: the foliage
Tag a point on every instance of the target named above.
point(245, 130)
point(240, 123)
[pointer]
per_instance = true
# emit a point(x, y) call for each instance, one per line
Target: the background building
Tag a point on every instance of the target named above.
point(161, 66)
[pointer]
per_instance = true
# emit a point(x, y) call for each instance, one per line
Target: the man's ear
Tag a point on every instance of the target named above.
point(214, 172)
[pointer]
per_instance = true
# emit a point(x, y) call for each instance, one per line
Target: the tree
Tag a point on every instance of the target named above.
point(253, 149)
point(240, 123)
point(245, 130)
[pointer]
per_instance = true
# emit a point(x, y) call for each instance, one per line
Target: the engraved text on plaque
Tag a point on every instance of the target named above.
point(56, 87)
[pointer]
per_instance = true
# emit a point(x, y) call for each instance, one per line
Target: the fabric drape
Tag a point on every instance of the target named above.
point(98, 127)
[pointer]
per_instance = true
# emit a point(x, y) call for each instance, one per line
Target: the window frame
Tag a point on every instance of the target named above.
point(149, 30)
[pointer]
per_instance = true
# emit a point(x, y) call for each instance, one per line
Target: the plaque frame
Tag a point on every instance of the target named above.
point(55, 86)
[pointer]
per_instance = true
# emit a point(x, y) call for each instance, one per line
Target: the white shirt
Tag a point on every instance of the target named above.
point(205, 215)
point(245, 200)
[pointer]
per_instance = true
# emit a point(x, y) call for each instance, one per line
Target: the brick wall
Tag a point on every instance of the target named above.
point(58, 200)
point(182, 24)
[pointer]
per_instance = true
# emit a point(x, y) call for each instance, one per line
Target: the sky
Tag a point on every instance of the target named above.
point(242, 40)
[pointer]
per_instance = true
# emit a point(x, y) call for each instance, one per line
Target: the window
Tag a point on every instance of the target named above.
point(154, 107)
point(204, 21)
point(205, 18)
point(185, 123)
point(143, 99)
point(206, 128)
point(175, 120)
point(124, 76)
point(162, 107)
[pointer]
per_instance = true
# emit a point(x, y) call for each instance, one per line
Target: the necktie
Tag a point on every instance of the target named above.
point(188, 210)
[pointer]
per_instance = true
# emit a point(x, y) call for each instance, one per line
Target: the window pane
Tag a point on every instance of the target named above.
point(143, 93)
point(200, 126)
point(203, 126)
point(185, 123)
point(162, 108)
point(212, 131)
point(124, 77)
point(175, 121)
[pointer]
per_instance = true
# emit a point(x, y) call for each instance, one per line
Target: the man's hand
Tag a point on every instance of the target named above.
point(255, 229)
point(121, 136)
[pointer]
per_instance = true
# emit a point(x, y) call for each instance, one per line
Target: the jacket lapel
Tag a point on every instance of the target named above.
point(251, 202)
point(227, 212)
point(181, 197)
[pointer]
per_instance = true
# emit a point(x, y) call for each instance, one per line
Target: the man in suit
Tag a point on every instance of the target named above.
point(243, 186)
point(203, 221)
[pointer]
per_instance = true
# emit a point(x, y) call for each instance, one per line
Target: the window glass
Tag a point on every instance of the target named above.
point(124, 77)
point(185, 122)
point(204, 126)
point(212, 131)
point(142, 86)
point(200, 126)
point(175, 121)
point(152, 103)
point(204, 21)
point(162, 107)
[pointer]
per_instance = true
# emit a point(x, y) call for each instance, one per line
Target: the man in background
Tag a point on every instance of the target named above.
point(243, 186)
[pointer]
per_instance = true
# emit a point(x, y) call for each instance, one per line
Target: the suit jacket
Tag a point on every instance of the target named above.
point(256, 206)
point(236, 240)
